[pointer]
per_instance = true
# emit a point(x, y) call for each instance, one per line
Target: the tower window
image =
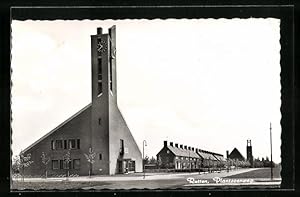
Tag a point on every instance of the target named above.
point(110, 75)
point(99, 76)
point(121, 146)
point(99, 121)
point(100, 156)
point(110, 61)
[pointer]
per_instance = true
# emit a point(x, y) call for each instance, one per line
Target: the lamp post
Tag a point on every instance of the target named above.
point(144, 144)
point(271, 151)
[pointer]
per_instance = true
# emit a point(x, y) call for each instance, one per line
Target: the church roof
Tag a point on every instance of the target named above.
point(56, 128)
point(235, 154)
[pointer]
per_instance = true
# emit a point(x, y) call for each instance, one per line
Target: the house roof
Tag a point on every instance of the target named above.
point(219, 157)
point(207, 155)
point(183, 152)
point(56, 128)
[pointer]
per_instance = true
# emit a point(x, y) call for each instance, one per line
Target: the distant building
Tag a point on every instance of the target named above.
point(180, 157)
point(99, 126)
point(249, 152)
point(235, 155)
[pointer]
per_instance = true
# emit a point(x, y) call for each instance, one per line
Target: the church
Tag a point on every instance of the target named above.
point(99, 127)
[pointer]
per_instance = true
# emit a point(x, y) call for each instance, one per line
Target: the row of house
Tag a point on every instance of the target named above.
point(180, 157)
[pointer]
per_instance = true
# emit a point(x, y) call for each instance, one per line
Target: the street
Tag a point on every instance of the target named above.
point(163, 180)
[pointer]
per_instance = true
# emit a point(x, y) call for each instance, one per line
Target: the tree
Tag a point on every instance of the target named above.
point(146, 160)
point(257, 163)
point(90, 157)
point(159, 161)
point(24, 162)
point(45, 161)
point(67, 160)
point(16, 164)
point(152, 160)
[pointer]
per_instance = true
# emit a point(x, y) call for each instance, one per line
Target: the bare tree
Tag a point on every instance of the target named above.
point(67, 160)
point(45, 161)
point(159, 162)
point(24, 162)
point(90, 157)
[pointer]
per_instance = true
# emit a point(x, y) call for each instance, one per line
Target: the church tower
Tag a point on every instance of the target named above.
point(110, 135)
point(104, 92)
point(249, 152)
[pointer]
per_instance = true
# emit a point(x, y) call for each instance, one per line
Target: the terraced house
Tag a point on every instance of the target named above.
point(98, 128)
point(183, 157)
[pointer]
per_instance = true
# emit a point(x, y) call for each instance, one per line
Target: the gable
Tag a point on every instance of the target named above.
point(60, 127)
point(235, 154)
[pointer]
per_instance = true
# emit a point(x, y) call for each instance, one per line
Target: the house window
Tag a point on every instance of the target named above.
point(78, 143)
point(168, 151)
point(72, 144)
point(100, 156)
point(55, 164)
point(76, 164)
point(58, 144)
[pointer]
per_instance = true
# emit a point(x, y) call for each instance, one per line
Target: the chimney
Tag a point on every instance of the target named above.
point(227, 154)
point(165, 143)
point(185, 147)
point(181, 146)
point(189, 148)
point(196, 150)
point(176, 145)
point(171, 143)
point(99, 30)
point(193, 149)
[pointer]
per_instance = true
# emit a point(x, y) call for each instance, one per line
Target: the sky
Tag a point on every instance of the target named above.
point(205, 83)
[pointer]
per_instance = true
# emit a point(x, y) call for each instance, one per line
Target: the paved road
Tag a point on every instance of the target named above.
point(162, 181)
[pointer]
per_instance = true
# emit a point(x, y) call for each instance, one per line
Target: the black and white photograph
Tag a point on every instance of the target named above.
point(146, 104)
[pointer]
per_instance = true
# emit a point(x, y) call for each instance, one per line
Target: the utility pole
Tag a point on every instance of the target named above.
point(271, 150)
